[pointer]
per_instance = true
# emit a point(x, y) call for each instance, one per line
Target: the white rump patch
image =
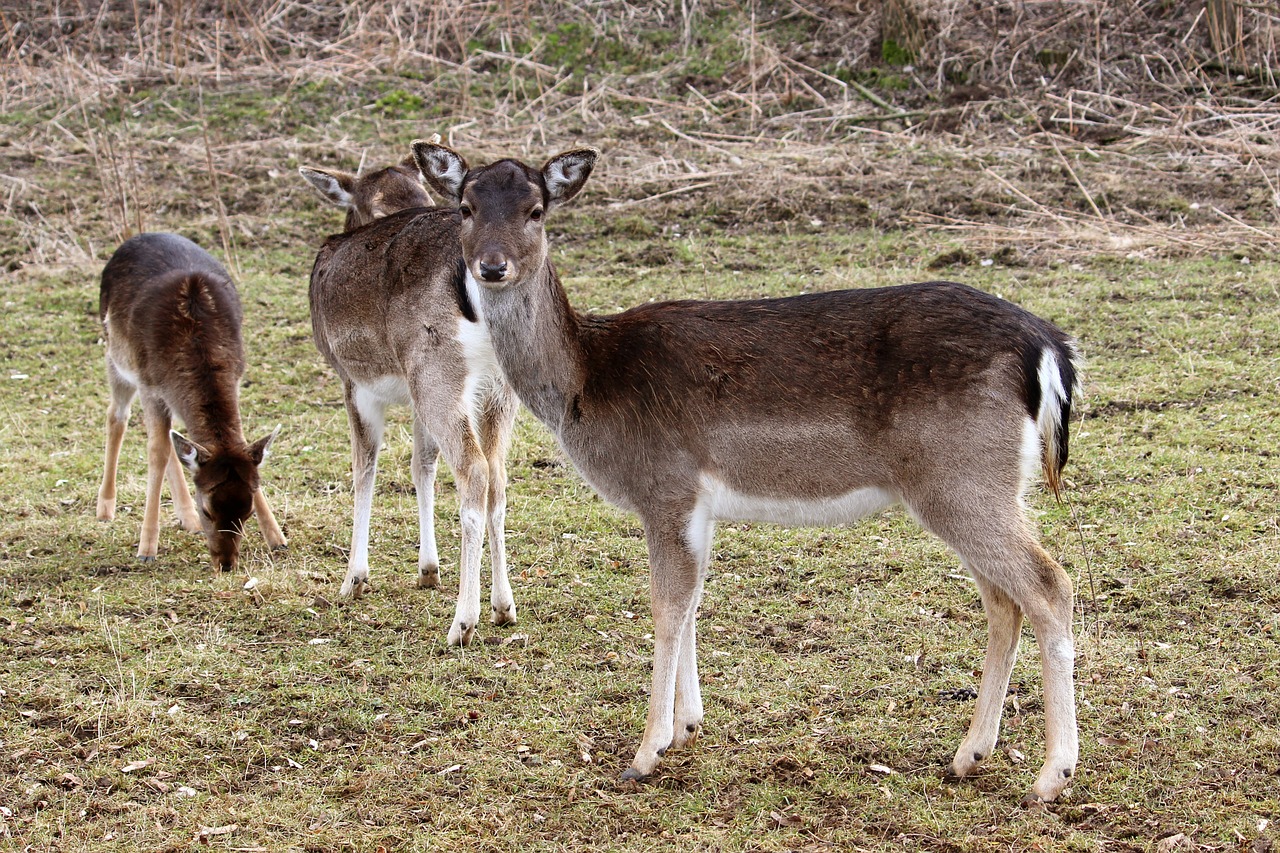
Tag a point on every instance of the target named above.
point(1032, 453)
point(1052, 394)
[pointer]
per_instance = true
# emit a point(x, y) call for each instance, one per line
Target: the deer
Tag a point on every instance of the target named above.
point(390, 315)
point(815, 409)
point(172, 321)
point(366, 196)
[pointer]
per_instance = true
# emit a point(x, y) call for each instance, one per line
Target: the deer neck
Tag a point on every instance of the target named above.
point(537, 341)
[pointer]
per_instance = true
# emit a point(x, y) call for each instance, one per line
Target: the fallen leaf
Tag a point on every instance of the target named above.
point(1174, 842)
point(207, 832)
point(135, 765)
point(881, 769)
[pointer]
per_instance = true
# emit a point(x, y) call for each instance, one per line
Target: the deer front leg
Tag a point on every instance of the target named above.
point(501, 600)
point(425, 459)
point(117, 419)
point(159, 449)
point(471, 472)
point(183, 506)
point(673, 588)
point(271, 531)
point(366, 417)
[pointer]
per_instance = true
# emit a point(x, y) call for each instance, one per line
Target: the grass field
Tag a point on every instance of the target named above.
point(162, 706)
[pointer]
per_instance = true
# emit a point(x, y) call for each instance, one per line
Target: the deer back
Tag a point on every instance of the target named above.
point(389, 295)
point(881, 387)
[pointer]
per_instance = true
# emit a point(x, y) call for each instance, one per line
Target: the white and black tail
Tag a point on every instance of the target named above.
point(1053, 382)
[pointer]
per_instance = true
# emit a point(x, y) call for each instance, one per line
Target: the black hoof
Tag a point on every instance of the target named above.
point(284, 547)
point(146, 559)
point(632, 775)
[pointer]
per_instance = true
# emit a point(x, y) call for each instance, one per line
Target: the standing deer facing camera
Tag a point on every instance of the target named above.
point(814, 409)
point(391, 315)
point(172, 319)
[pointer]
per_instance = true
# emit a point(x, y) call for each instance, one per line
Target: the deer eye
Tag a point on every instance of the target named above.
point(536, 214)
point(464, 211)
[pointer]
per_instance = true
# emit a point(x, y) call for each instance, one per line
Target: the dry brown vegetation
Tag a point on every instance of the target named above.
point(1141, 126)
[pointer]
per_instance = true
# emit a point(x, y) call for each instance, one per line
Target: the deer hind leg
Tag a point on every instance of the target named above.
point(1049, 608)
point(495, 434)
point(688, 703)
point(122, 392)
point(675, 579)
point(461, 450)
point(426, 457)
point(159, 448)
point(1016, 576)
point(1004, 619)
point(366, 415)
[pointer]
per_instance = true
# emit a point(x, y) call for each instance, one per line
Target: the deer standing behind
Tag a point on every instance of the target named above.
point(815, 409)
point(172, 320)
point(390, 315)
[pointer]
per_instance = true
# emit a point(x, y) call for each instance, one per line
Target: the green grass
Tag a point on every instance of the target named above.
point(141, 704)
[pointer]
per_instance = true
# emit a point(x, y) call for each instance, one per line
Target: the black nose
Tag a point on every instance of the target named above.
point(493, 272)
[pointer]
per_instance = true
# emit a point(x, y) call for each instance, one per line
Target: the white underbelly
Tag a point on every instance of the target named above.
point(721, 502)
point(381, 392)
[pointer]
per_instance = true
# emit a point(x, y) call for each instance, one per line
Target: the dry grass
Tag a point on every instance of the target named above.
point(1085, 126)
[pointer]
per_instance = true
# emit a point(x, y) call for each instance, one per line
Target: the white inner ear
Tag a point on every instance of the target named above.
point(329, 187)
point(337, 194)
point(561, 174)
point(188, 458)
point(448, 170)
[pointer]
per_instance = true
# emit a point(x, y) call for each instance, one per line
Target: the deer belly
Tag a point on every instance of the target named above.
point(381, 391)
point(723, 502)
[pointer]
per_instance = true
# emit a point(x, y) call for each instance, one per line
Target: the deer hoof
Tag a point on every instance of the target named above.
point(429, 579)
point(143, 558)
point(1034, 802)
point(504, 615)
point(632, 775)
point(355, 587)
point(461, 634)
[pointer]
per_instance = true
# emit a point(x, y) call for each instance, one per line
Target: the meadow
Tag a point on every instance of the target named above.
point(165, 706)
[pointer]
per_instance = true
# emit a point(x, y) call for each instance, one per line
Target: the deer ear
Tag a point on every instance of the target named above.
point(441, 167)
point(258, 450)
point(333, 185)
point(566, 173)
point(190, 454)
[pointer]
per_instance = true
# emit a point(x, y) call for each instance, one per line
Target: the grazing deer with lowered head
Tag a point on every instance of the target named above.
point(816, 409)
point(391, 315)
point(172, 319)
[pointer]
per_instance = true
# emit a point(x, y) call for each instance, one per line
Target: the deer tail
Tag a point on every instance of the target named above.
point(1052, 387)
